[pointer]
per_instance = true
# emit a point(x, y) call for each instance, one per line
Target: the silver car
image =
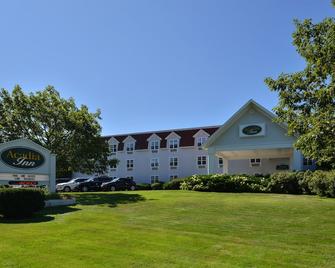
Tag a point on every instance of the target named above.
point(70, 185)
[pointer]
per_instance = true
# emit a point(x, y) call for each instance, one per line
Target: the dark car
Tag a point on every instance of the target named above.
point(119, 184)
point(93, 184)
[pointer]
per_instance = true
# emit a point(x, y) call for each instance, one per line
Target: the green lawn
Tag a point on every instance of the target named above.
point(175, 229)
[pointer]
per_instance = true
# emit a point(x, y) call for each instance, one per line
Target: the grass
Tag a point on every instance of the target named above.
point(175, 229)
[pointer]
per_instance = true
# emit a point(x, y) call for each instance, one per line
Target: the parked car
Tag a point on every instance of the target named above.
point(93, 184)
point(119, 184)
point(70, 185)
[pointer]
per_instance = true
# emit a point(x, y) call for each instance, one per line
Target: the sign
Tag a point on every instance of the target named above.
point(23, 177)
point(252, 130)
point(23, 158)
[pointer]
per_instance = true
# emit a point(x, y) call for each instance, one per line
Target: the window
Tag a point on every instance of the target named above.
point(154, 179)
point(255, 162)
point(173, 162)
point(154, 145)
point(154, 163)
point(130, 164)
point(173, 177)
point(202, 161)
point(201, 141)
point(113, 148)
point(130, 147)
point(113, 167)
point(173, 144)
point(220, 162)
point(307, 162)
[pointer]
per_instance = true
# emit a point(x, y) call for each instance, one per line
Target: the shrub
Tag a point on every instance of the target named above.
point(143, 186)
point(225, 183)
point(157, 186)
point(20, 203)
point(284, 183)
point(321, 183)
point(173, 184)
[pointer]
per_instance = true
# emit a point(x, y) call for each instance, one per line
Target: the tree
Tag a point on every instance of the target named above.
point(57, 124)
point(307, 98)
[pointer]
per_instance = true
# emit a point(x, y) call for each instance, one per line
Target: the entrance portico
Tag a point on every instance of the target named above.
point(250, 142)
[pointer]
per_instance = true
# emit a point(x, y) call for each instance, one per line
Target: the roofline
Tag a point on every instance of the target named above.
point(236, 116)
point(160, 131)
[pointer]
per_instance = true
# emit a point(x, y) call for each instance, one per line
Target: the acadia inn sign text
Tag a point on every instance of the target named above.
point(22, 158)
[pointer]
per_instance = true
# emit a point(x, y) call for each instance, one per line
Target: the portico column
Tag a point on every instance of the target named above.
point(225, 166)
point(211, 163)
point(52, 179)
point(296, 160)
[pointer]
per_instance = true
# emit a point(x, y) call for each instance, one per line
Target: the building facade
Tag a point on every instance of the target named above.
point(250, 142)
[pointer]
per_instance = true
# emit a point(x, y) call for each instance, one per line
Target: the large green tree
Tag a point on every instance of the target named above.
point(71, 132)
point(307, 98)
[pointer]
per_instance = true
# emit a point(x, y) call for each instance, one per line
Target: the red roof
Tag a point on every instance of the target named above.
point(142, 143)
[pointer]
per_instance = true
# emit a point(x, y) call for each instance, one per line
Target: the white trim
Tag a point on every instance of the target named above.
point(154, 136)
point(201, 133)
point(173, 135)
point(113, 140)
point(250, 104)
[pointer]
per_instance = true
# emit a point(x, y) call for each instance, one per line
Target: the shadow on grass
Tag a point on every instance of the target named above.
point(45, 215)
point(110, 199)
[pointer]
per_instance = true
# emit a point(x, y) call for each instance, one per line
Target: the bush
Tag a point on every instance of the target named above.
point(157, 186)
point(20, 203)
point(321, 183)
point(173, 184)
point(285, 183)
point(143, 186)
point(225, 183)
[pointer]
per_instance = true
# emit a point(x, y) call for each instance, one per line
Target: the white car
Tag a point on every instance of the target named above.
point(70, 185)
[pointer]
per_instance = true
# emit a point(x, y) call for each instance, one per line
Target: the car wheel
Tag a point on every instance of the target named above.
point(67, 189)
point(132, 188)
point(84, 189)
point(113, 188)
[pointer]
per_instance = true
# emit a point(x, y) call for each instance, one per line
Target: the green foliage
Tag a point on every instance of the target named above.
point(20, 203)
point(318, 182)
point(225, 183)
point(284, 183)
point(143, 186)
point(307, 98)
point(157, 186)
point(322, 183)
point(71, 132)
point(174, 184)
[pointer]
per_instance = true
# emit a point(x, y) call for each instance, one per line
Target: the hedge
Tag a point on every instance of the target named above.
point(20, 203)
point(321, 183)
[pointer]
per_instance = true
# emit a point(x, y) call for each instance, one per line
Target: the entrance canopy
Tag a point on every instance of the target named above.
point(251, 142)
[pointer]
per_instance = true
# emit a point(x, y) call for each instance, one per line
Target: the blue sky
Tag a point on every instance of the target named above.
point(151, 65)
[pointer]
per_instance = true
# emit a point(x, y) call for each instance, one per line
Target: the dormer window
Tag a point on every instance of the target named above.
point(154, 146)
point(201, 141)
point(130, 147)
point(200, 138)
point(113, 148)
point(173, 144)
